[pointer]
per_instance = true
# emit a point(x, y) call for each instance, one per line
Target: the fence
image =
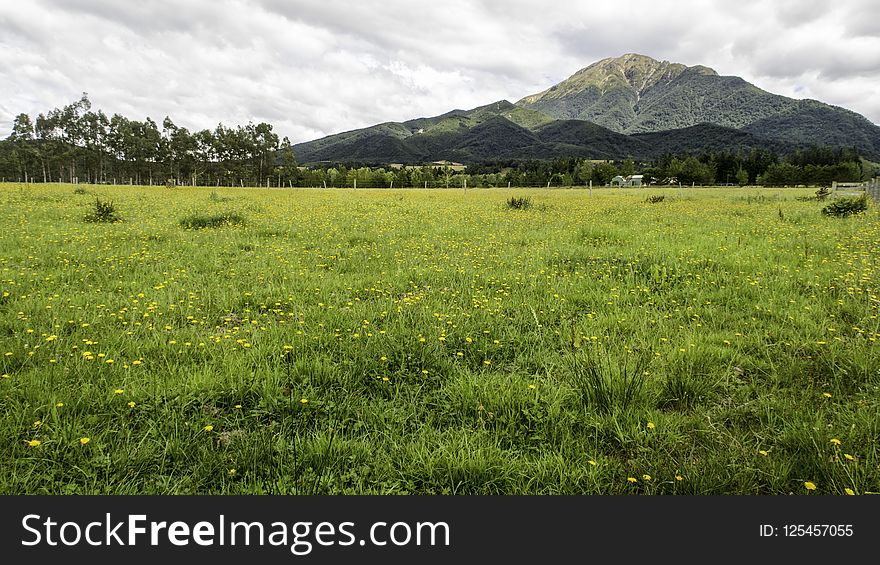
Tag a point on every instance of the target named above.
point(871, 188)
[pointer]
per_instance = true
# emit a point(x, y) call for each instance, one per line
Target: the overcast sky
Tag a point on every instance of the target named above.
point(316, 67)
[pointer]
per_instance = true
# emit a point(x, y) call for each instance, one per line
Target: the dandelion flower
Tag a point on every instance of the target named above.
point(533, 387)
point(809, 485)
point(651, 425)
point(646, 477)
point(679, 478)
point(764, 452)
point(632, 479)
point(849, 457)
point(119, 391)
point(826, 394)
point(209, 428)
point(849, 492)
point(84, 440)
point(303, 400)
point(38, 423)
point(34, 443)
point(835, 441)
point(591, 462)
point(231, 472)
point(131, 404)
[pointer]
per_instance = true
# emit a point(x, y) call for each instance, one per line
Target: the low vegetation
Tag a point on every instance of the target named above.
point(433, 342)
point(103, 211)
point(200, 221)
point(519, 202)
point(846, 206)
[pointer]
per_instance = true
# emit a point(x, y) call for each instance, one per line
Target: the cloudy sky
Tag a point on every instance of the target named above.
point(316, 67)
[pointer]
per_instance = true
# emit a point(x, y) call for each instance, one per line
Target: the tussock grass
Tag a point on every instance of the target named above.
point(202, 221)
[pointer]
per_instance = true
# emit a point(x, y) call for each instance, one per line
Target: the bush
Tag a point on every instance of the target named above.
point(655, 198)
point(103, 212)
point(843, 207)
point(201, 221)
point(519, 202)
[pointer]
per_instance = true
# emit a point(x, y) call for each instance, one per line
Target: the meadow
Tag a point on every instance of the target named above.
point(253, 341)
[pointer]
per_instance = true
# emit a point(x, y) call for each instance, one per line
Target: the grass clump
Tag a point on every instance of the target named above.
point(202, 221)
point(103, 212)
point(655, 198)
point(606, 385)
point(843, 207)
point(215, 197)
point(519, 202)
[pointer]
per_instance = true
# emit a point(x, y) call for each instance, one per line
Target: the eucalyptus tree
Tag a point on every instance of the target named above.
point(24, 152)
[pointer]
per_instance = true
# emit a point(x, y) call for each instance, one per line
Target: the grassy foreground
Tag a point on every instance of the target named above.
point(720, 341)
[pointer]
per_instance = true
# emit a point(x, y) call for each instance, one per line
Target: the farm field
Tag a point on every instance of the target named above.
point(253, 341)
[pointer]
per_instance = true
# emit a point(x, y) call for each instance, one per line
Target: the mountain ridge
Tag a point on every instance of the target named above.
point(631, 106)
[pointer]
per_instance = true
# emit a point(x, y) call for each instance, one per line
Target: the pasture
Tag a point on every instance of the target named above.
point(253, 341)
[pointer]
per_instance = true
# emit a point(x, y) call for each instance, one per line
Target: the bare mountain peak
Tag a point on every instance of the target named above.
point(635, 93)
point(633, 71)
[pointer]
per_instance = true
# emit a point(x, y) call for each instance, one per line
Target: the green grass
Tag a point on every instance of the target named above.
point(433, 342)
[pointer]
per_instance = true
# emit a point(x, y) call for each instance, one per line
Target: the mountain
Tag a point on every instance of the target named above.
point(499, 131)
point(626, 107)
point(637, 94)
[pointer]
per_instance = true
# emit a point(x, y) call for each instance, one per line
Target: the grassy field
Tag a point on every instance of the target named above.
point(721, 341)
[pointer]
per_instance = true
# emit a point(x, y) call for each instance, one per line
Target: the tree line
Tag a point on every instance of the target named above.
point(77, 144)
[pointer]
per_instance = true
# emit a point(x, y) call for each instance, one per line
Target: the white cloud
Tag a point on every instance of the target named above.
point(315, 67)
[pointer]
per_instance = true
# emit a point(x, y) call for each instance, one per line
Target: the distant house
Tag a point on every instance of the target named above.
point(633, 180)
point(451, 164)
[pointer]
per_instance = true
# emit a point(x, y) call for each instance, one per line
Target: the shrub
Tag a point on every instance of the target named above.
point(847, 206)
point(103, 212)
point(655, 198)
point(519, 202)
point(201, 221)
